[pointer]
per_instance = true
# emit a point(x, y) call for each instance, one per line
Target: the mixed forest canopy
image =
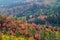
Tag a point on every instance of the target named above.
point(29, 19)
point(34, 8)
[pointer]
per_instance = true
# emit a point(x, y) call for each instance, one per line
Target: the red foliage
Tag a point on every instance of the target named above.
point(33, 25)
point(37, 35)
point(26, 32)
point(4, 24)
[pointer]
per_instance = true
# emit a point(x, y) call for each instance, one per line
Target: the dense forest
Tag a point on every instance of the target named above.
point(29, 19)
point(16, 29)
point(35, 9)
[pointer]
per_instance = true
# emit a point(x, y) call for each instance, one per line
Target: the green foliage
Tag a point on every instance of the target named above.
point(17, 34)
point(31, 31)
point(51, 36)
point(4, 30)
point(58, 36)
point(14, 17)
point(25, 38)
point(22, 18)
point(5, 37)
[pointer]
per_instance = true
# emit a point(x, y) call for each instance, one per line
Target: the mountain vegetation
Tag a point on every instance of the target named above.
point(35, 9)
point(16, 29)
point(30, 20)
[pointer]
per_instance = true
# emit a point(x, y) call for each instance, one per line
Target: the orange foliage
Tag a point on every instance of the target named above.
point(23, 28)
point(31, 38)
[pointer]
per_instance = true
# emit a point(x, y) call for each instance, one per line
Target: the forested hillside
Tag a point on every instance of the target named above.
point(16, 29)
point(33, 11)
point(29, 19)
